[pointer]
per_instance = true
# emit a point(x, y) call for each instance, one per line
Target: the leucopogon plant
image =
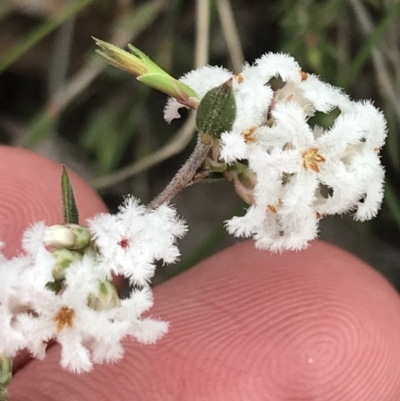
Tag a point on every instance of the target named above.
point(291, 174)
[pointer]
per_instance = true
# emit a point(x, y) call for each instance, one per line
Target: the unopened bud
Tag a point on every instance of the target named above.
point(105, 298)
point(290, 92)
point(214, 165)
point(147, 72)
point(64, 257)
point(244, 181)
point(70, 236)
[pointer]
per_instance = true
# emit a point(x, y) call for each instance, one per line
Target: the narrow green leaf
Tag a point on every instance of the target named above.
point(140, 18)
point(393, 202)
point(364, 54)
point(40, 32)
point(40, 127)
point(71, 215)
point(5, 10)
point(132, 23)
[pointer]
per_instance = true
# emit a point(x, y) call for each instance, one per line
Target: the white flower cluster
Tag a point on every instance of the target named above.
point(85, 314)
point(303, 172)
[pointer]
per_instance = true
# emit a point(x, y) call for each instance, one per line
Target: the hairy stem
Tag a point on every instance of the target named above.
point(184, 176)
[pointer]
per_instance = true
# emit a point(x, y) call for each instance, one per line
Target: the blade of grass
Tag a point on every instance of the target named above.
point(364, 54)
point(40, 32)
point(392, 202)
point(5, 9)
point(393, 140)
point(126, 29)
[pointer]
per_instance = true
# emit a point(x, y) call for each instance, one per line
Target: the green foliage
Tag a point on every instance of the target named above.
point(26, 43)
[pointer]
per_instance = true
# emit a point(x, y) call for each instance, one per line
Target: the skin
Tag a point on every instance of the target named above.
point(317, 325)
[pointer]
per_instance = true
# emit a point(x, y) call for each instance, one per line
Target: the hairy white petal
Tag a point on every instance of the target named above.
point(171, 110)
point(205, 78)
point(148, 331)
point(273, 65)
point(233, 147)
point(324, 97)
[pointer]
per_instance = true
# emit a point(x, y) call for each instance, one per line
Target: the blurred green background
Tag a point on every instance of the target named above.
point(60, 100)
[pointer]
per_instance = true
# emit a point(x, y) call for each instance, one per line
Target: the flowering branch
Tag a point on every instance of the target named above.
point(184, 177)
point(289, 171)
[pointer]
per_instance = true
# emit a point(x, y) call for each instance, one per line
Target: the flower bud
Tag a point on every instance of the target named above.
point(147, 72)
point(291, 92)
point(244, 181)
point(216, 112)
point(214, 165)
point(105, 298)
point(70, 236)
point(64, 257)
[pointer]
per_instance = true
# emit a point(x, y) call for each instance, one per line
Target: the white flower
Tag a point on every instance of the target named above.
point(80, 309)
point(201, 81)
point(86, 335)
point(302, 171)
point(131, 241)
point(290, 172)
point(11, 340)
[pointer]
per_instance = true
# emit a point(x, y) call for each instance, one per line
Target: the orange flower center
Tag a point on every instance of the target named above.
point(249, 135)
point(311, 159)
point(64, 317)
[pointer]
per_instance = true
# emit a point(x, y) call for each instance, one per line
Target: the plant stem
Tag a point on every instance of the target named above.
point(184, 176)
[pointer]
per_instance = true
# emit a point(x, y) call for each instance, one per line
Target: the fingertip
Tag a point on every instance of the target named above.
point(31, 192)
point(315, 325)
point(318, 324)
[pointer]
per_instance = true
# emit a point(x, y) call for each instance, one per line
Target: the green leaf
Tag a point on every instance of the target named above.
point(71, 215)
point(217, 111)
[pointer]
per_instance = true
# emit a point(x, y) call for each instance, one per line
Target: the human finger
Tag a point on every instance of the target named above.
point(31, 192)
point(317, 325)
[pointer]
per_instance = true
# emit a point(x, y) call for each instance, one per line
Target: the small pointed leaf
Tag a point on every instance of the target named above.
point(71, 215)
